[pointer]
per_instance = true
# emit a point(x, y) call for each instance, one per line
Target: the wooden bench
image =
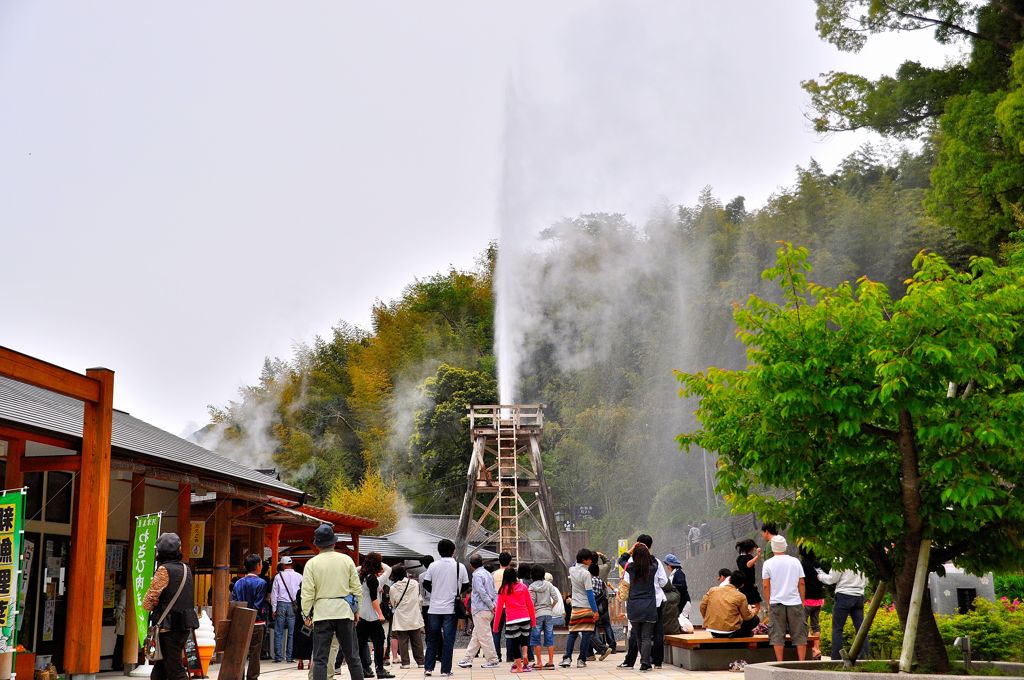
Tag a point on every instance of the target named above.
point(699, 651)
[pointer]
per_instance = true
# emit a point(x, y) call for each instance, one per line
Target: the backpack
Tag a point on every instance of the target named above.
point(385, 603)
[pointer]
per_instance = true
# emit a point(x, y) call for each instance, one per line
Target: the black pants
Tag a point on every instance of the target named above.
point(745, 629)
point(645, 641)
point(657, 643)
point(170, 667)
point(367, 632)
point(255, 647)
point(344, 631)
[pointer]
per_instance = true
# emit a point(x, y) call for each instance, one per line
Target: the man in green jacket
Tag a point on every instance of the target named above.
point(330, 591)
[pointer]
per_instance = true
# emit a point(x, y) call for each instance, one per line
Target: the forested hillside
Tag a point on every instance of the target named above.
point(368, 416)
point(353, 414)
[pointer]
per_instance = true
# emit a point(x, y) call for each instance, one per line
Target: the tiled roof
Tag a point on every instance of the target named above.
point(447, 526)
point(44, 410)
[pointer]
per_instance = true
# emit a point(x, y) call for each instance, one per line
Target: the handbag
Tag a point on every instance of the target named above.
point(460, 606)
point(295, 605)
point(151, 645)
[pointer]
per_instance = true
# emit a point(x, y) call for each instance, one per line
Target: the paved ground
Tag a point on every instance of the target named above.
point(599, 670)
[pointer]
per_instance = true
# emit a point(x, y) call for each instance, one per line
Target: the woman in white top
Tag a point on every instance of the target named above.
point(407, 621)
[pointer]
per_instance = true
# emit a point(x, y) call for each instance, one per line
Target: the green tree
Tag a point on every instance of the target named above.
point(441, 444)
point(964, 106)
point(888, 421)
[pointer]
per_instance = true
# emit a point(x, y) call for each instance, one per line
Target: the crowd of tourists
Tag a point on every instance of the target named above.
point(794, 592)
point(343, 609)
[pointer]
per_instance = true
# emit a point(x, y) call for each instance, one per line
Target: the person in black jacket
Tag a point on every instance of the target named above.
point(814, 594)
point(170, 602)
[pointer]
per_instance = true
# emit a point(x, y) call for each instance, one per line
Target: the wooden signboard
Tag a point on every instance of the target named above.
point(191, 651)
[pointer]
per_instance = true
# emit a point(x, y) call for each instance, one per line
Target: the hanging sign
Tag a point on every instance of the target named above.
point(11, 505)
point(196, 540)
point(147, 528)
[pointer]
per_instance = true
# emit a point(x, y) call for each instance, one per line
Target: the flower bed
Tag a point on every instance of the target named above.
point(996, 630)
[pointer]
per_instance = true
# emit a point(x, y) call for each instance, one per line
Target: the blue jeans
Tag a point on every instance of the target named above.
point(443, 626)
point(543, 634)
point(285, 617)
point(570, 643)
point(851, 606)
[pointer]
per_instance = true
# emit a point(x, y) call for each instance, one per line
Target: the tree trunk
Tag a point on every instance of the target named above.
point(928, 648)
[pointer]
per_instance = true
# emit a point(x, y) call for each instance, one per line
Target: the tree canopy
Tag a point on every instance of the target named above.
point(909, 410)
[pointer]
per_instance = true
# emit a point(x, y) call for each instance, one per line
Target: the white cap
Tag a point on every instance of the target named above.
point(779, 544)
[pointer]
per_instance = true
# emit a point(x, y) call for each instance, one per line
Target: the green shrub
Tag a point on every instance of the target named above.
point(996, 630)
point(1010, 586)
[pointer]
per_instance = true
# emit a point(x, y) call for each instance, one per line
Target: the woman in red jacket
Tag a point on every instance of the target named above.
point(515, 601)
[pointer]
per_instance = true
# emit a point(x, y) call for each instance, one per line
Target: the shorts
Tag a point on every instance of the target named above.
point(543, 634)
point(787, 618)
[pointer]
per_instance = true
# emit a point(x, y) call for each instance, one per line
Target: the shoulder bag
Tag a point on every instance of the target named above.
point(460, 606)
point(151, 645)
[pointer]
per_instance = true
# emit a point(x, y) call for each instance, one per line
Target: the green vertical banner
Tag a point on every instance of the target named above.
point(12, 503)
point(147, 528)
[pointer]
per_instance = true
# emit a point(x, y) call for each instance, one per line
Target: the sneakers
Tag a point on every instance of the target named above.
point(385, 675)
point(645, 668)
point(591, 658)
point(624, 665)
point(404, 666)
point(447, 675)
point(427, 674)
point(565, 662)
point(581, 664)
point(492, 664)
point(549, 666)
point(738, 666)
point(606, 653)
point(465, 663)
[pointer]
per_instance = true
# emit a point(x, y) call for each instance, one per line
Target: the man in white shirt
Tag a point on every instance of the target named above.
point(784, 591)
point(444, 580)
point(283, 596)
point(849, 603)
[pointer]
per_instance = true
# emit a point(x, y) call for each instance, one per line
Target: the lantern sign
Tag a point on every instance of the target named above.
point(143, 559)
point(12, 504)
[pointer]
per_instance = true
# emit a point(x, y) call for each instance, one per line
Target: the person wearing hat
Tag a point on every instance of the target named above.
point(783, 577)
point(330, 599)
point(678, 579)
point(284, 607)
point(170, 602)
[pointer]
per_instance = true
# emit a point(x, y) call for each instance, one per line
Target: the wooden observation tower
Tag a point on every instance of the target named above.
point(505, 487)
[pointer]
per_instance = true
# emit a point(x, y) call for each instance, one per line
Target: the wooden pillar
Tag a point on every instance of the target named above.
point(185, 519)
point(136, 506)
point(15, 453)
point(221, 558)
point(255, 541)
point(89, 537)
point(272, 537)
point(355, 546)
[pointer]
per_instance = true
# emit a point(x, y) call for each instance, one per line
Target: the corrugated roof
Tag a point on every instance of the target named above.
point(447, 526)
point(386, 547)
point(34, 407)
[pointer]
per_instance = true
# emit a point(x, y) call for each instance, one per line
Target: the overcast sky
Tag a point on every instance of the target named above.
point(186, 188)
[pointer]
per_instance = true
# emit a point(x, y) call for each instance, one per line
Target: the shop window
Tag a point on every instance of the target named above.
point(34, 499)
point(58, 496)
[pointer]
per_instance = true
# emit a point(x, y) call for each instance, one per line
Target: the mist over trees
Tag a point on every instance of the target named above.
point(626, 304)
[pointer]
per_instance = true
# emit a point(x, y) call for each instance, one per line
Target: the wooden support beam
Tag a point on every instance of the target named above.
point(136, 506)
point(272, 537)
point(29, 436)
point(88, 541)
point(38, 373)
point(15, 453)
point(51, 463)
point(221, 558)
point(185, 520)
point(256, 541)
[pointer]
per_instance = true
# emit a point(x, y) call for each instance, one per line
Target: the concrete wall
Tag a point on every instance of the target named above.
point(943, 589)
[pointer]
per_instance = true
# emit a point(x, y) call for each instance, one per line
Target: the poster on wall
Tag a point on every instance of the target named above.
point(27, 553)
point(12, 503)
point(143, 558)
point(196, 539)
